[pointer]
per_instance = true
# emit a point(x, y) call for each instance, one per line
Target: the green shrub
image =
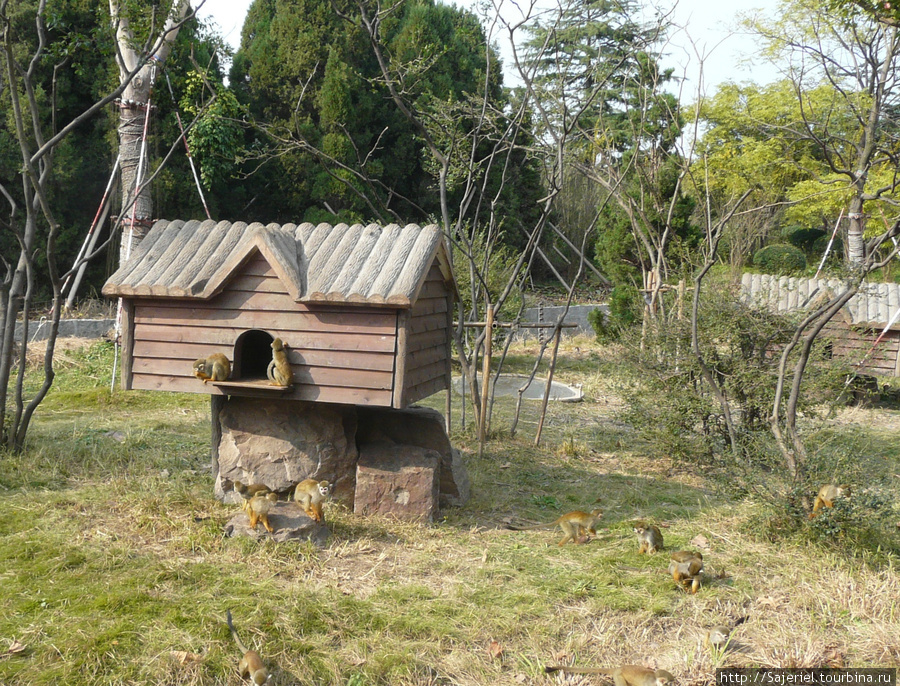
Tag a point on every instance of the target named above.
point(670, 405)
point(780, 259)
point(802, 238)
point(625, 305)
point(819, 245)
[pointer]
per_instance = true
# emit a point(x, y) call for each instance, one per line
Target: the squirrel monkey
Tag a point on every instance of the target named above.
point(685, 567)
point(650, 538)
point(216, 367)
point(258, 508)
point(827, 495)
point(311, 494)
point(627, 675)
point(251, 664)
point(247, 491)
point(717, 637)
point(279, 370)
point(575, 525)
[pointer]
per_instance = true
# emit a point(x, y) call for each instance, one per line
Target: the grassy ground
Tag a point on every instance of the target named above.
point(114, 568)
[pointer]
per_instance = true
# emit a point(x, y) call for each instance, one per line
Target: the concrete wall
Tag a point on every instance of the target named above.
point(577, 314)
point(68, 328)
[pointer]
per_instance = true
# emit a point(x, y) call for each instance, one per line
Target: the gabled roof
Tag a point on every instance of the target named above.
point(376, 265)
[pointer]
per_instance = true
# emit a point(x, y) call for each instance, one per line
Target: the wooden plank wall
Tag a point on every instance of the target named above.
point(853, 344)
point(427, 361)
point(339, 353)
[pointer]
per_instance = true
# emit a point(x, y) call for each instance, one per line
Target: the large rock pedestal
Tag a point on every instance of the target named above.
point(404, 457)
point(280, 443)
point(398, 480)
point(289, 522)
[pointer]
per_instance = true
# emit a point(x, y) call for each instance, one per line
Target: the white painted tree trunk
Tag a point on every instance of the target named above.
point(137, 206)
point(856, 247)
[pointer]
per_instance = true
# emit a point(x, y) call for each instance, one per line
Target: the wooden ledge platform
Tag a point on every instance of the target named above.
point(256, 385)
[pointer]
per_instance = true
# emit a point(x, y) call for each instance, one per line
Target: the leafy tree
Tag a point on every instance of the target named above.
point(68, 77)
point(843, 71)
point(57, 82)
point(336, 145)
point(597, 70)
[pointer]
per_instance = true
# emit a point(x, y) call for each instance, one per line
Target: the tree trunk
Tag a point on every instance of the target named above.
point(856, 245)
point(137, 205)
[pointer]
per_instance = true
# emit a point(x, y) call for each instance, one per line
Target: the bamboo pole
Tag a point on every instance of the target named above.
point(537, 438)
point(485, 377)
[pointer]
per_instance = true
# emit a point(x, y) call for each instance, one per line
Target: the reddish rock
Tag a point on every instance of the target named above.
point(400, 480)
point(422, 427)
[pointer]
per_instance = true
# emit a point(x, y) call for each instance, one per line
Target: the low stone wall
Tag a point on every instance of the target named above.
point(68, 328)
point(577, 315)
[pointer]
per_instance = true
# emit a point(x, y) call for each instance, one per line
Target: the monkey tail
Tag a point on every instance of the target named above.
point(234, 633)
point(577, 670)
point(549, 525)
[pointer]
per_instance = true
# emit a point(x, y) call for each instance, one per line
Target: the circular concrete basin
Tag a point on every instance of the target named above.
point(509, 385)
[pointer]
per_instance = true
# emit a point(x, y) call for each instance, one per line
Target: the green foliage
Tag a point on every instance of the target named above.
point(625, 305)
point(339, 143)
point(619, 254)
point(78, 36)
point(613, 248)
point(821, 244)
point(672, 407)
point(861, 522)
point(746, 145)
point(803, 238)
point(80, 42)
point(780, 259)
point(597, 50)
point(864, 521)
point(216, 138)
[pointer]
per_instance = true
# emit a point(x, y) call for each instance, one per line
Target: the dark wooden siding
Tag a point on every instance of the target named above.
point(339, 353)
point(852, 344)
point(427, 344)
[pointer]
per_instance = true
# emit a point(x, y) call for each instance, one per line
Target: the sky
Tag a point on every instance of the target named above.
point(710, 28)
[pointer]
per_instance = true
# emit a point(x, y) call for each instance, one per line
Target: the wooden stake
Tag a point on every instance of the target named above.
point(486, 375)
point(537, 438)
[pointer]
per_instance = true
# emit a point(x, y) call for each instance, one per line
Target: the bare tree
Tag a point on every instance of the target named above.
point(32, 223)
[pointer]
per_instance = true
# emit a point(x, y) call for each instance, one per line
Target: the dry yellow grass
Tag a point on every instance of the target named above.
point(114, 570)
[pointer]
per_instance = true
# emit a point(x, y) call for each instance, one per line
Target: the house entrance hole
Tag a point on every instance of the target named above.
point(252, 354)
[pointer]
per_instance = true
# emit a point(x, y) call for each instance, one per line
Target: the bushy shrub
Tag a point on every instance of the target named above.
point(801, 237)
point(780, 259)
point(819, 245)
point(672, 407)
point(625, 305)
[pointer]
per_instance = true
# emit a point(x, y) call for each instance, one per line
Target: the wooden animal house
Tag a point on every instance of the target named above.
point(364, 311)
point(865, 333)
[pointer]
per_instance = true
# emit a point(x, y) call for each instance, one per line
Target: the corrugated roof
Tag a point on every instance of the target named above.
point(874, 305)
point(377, 265)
